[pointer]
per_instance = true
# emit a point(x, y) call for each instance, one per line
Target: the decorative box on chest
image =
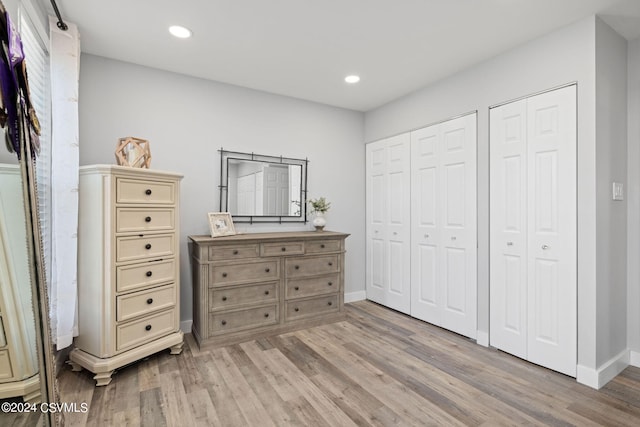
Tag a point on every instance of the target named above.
point(251, 285)
point(128, 267)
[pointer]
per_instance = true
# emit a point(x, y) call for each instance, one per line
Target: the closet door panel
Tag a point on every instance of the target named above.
point(459, 234)
point(427, 294)
point(388, 223)
point(508, 228)
point(552, 246)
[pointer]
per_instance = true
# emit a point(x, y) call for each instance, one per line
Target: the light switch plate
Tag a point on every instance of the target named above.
point(618, 191)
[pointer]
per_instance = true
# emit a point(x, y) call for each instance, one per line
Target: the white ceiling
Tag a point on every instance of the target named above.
point(305, 48)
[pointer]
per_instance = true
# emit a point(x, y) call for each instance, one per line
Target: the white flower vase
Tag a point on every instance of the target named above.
point(319, 221)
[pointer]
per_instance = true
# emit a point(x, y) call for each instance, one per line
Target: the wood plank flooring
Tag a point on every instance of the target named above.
point(377, 368)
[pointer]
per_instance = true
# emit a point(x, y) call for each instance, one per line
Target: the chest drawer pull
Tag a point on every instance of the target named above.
point(149, 273)
point(266, 292)
point(235, 252)
point(147, 328)
point(148, 192)
point(224, 322)
point(224, 274)
point(147, 246)
point(330, 263)
point(329, 303)
point(297, 267)
point(150, 301)
point(284, 249)
point(330, 283)
point(266, 315)
point(266, 270)
point(147, 219)
point(296, 309)
point(322, 246)
point(297, 288)
point(224, 298)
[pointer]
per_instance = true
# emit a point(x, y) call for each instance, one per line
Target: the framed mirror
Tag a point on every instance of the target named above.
point(260, 188)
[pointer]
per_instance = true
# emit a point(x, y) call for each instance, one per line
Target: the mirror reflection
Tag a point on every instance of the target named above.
point(261, 188)
point(19, 367)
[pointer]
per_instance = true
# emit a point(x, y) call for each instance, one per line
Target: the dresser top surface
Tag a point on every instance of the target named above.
point(268, 237)
point(128, 170)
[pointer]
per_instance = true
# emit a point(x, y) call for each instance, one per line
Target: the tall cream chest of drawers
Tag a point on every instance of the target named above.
point(251, 285)
point(128, 267)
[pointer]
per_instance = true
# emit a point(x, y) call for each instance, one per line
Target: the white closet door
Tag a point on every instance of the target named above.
point(533, 240)
point(552, 230)
point(388, 222)
point(444, 273)
point(508, 225)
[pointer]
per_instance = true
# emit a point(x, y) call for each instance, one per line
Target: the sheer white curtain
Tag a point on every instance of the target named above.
point(64, 54)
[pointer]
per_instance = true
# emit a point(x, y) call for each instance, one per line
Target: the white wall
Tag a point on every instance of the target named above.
point(564, 56)
point(633, 199)
point(187, 120)
point(611, 154)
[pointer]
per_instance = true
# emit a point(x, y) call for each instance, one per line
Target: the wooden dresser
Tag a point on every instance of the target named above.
point(128, 262)
point(251, 285)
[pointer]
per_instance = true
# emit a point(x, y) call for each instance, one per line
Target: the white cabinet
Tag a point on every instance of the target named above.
point(533, 230)
point(388, 185)
point(128, 277)
point(421, 224)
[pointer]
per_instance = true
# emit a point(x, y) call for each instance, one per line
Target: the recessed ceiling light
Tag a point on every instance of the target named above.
point(180, 32)
point(352, 79)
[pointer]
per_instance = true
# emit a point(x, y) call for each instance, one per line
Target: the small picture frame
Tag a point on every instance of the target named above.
point(221, 224)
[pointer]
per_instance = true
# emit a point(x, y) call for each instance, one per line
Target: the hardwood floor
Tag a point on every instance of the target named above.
point(378, 368)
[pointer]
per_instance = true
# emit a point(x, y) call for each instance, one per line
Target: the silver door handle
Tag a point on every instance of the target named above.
point(545, 247)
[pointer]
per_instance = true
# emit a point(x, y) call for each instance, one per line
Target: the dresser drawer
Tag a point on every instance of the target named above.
point(299, 267)
point(230, 321)
point(131, 277)
point(137, 304)
point(297, 288)
point(140, 247)
point(138, 191)
point(220, 298)
point(145, 219)
point(311, 307)
point(6, 372)
point(284, 248)
point(249, 272)
point(233, 252)
point(321, 246)
point(137, 332)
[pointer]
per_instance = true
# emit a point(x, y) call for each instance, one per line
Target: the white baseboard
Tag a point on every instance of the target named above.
point(597, 378)
point(185, 326)
point(634, 358)
point(355, 296)
point(482, 338)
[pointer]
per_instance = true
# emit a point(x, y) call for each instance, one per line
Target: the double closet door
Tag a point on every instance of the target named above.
point(421, 224)
point(533, 230)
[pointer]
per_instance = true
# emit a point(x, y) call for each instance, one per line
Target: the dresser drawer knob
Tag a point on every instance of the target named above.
point(296, 309)
point(267, 270)
point(330, 283)
point(266, 315)
point(284, 249)
point(266, 292)
point(329, 303)
point(297, 288)
point(224, 298)
point(224, 274)
point(150, 301)
point(224, 322)
point(149, 273)
point(147, 219)
point(147, 328)
point(147, 246)
point(297, 267)
point(148, 192)
point(330, 263)
point(322, 246)
point(235, 252)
